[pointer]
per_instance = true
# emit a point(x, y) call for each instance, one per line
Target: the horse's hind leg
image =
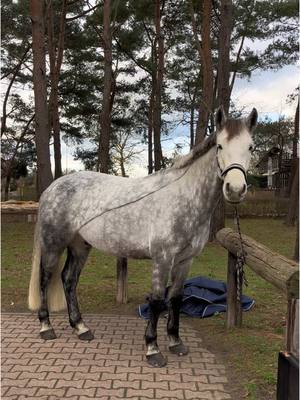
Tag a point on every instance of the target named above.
point(49, 262)
point(178, 275)
point(78, 252)
point(156, 306)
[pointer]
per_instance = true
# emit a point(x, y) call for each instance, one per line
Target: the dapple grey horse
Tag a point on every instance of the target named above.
point(164, 217)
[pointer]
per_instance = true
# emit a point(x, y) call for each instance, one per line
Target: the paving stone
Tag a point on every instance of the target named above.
point(88, 383)
point(118, 393)
point(124, 384)
point(144, 393)
point(176, 394)
point(155, 385)
point(111, 367)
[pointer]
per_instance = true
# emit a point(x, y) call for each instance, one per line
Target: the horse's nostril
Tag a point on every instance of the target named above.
point(243, 190)
point(227, 187)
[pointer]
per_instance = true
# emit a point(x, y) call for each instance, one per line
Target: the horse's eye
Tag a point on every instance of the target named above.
point(251, 148)
point(219, 147)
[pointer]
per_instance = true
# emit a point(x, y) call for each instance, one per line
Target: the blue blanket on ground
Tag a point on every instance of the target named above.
point(202, 297)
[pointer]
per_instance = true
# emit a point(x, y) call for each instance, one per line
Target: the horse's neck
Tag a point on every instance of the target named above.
point(203, 181)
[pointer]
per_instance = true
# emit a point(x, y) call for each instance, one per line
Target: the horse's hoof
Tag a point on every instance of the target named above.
point(86, 336)
point(156, 360)
point(48, 335)
point(179, 349)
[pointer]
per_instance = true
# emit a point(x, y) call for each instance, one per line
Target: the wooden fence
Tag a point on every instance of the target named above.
point(17, 211)
point(283, 274)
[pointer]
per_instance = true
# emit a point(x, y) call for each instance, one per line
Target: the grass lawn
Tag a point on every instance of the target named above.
point(250, 353)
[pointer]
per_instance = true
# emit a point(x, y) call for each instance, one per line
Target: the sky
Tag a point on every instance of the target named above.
point(267, 91)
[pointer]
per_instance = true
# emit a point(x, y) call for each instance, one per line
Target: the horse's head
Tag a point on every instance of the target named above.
point(234, 148)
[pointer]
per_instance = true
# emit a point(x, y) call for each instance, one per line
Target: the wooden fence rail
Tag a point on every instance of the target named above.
point(271, 266)
point(283, 274)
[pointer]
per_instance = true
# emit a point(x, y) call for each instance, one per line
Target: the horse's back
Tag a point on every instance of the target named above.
point(73, 201)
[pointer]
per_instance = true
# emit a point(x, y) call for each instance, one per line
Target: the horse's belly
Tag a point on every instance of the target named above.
point(117, 240)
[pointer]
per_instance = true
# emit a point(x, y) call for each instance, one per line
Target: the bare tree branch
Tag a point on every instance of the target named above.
point(16, 70)
point(236, 63)
point(83, 13)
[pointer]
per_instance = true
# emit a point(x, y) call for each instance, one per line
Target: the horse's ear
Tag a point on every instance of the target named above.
point(251, 121)
point(220, 118)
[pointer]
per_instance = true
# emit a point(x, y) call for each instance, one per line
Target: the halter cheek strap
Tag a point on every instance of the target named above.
point(224, 172)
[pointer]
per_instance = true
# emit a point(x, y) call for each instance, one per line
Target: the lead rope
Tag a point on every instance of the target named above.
point(241, 258)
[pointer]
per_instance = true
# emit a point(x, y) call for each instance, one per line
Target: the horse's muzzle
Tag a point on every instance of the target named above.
point(233, 193)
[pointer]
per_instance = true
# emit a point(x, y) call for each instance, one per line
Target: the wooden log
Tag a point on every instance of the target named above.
point(234, 310)
point(122, 280)
point(20, 211)
point(19, 207)
point(273, 267)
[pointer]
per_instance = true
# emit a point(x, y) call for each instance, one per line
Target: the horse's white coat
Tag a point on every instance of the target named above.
point(150, 228)
point(164, 217)
point(237, 151)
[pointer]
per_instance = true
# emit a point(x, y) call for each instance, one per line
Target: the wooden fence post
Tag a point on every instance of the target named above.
point(122, 280)
point(292, 327)
point(234, 310)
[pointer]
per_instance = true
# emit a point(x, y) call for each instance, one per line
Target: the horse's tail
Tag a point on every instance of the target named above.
point(55, 293)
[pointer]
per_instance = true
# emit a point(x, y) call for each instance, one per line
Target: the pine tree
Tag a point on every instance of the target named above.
point(42, 131)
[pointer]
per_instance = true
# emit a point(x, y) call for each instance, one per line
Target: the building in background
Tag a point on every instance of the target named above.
point(276, 165)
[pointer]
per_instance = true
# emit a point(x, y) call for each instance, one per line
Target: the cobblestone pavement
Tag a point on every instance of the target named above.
point(112, 366)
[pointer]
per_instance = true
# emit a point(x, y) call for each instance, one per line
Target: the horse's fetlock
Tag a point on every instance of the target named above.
point(174, 339)
point(43, 315)
point(173, 331)
point(75, 319)
point(151, 339)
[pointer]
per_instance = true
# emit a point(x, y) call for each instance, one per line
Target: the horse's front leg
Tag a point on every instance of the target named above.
point(178, 276)
point(156, 306)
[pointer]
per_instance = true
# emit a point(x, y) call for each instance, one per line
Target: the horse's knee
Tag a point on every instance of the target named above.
point(156, 305)
point(75, 318)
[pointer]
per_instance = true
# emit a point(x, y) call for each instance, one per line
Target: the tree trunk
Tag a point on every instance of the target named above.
point(296, 250)
point(293, 209)
point(150, 134)
point(223, 98)
point(42, 131)
point(55, 67)
point(205, 58)
point(192, 134)
point(218, 219)
point(122, 165)
point(122, 280)
point(157, 84)
point(10, 162)
point(192, 117)
point(295, 155)
point(6, 188)
point(224, 55)
point(105, 117)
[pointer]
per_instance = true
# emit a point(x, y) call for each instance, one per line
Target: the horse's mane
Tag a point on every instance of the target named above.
point(197, 151)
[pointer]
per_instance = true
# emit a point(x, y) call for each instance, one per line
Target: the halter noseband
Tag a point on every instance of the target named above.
point(230, 167)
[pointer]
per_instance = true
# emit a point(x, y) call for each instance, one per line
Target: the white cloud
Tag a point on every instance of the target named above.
point(268, 92)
